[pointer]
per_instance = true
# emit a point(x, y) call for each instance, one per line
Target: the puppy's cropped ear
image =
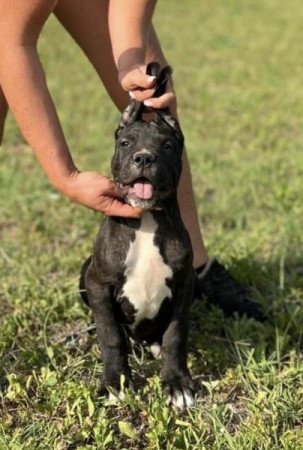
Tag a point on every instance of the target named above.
point(130, 115)
point(165, 116)
point(162, 76)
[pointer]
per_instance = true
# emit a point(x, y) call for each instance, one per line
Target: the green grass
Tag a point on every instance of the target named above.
point(239, 81)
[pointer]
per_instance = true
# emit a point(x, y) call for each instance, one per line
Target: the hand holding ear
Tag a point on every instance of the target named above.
point(141, 87)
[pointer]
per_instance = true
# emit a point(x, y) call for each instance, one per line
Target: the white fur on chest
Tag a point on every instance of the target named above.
point(146, 272)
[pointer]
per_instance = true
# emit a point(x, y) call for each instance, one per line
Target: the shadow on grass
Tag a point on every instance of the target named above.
point(218, 343)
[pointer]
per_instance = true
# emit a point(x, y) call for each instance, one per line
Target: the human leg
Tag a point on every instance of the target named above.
point(86, 21)
point(3, 113)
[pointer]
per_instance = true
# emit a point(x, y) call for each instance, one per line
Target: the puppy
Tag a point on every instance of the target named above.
point(139, 281)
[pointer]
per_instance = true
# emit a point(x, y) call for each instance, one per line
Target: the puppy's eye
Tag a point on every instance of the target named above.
point(124, 143)
point(168, 146)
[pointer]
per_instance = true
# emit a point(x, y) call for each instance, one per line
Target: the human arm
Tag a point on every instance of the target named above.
point(23, 82)
point(129, 31)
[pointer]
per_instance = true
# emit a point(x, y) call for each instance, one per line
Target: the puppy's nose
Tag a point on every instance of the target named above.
point(144, 159)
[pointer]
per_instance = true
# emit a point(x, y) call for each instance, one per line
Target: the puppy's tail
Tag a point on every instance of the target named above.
point(82, 287)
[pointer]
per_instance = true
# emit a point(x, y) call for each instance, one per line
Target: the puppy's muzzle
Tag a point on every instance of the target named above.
point(144, 159)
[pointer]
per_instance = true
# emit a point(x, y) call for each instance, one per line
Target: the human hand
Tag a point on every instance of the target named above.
point(98, 192)
point(141, 88)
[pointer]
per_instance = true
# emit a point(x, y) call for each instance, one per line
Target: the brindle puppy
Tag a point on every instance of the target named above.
point(139, 281)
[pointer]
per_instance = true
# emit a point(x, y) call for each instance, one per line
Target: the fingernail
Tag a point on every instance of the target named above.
point(131, 94)
point(148, 103)
point(150, 79)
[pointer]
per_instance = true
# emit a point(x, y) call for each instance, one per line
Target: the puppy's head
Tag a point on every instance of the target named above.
point(147, 162)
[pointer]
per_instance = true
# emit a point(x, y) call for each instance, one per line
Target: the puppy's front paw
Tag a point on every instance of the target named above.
point(180, 390)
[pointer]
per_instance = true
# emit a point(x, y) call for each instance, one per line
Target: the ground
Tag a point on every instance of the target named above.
point(238, 75)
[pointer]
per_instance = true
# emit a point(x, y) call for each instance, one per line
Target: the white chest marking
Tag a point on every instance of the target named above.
point(146, 272)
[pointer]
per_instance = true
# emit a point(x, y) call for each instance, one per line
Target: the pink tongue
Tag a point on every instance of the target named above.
point(144, 189)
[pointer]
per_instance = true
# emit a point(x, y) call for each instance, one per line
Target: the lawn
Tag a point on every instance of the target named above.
point(239, 79)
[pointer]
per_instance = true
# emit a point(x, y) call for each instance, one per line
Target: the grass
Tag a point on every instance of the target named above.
point(239, 82)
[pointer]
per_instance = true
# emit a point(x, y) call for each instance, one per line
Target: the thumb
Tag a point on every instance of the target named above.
point(114, 207)
point(137, 79)
point(111, 189)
